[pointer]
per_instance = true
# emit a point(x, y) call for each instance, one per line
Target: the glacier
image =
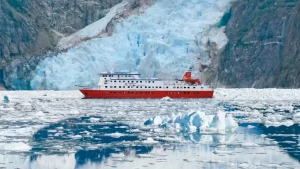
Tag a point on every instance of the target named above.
point(163, 41)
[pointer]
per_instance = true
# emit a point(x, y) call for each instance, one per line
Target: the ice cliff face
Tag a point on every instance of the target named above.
point(163, 42)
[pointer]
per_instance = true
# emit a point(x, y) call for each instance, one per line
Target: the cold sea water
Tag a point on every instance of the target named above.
point(242, 128)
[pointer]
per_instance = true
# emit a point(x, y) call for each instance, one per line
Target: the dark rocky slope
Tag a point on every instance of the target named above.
point(264, 45)
point(29, 28)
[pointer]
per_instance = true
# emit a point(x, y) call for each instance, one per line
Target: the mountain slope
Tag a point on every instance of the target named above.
point(30, 28)
point(263, 47)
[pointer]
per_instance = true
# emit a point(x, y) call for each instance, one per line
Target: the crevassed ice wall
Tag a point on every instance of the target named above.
point(162, 42)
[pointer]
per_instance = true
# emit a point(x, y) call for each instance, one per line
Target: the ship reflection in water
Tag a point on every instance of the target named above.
point(90, 142)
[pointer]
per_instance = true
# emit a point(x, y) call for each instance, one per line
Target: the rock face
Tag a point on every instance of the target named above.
point(30, 28)
point(264, 45)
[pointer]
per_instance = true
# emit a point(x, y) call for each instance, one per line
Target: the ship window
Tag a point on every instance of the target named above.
point(194, 87)
point(123, 81)
point(128, 81)
point(177, 87)
point(149, 81)
point(141, 81)
point(184, 87)
point(119, 80)
point(201, 87)
point(120, 86)
point(115, 86)
point(136, 81)
point(132, 81)
point(159, 86)
point(174, 87)
point(115, 92)
point(123, 86)
point(167, 87)
point(105, 86)
point(125, 75)
point(115, 81)
point(152, 81)
point(110, 86)
point(145, 86)
point(155, 86)
point(188, 87)
point(128, 86)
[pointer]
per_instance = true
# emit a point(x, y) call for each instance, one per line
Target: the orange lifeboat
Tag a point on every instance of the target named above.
point(187, 77)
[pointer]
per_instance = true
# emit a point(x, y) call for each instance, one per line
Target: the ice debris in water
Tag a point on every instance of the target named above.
point(197, 121)
point(157, 120)
point(167, 98)
point(5, 99)
point(15, 146)
point(149, 141)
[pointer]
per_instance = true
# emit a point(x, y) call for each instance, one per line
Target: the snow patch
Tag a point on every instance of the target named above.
point(93, 30)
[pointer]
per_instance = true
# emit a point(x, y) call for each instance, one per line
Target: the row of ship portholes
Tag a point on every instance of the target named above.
point(149, 87)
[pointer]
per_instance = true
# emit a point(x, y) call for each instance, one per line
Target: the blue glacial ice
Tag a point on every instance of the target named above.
point(162, 42)
point(193, 121)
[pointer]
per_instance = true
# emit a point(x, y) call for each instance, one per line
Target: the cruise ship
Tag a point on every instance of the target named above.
point(128, 85)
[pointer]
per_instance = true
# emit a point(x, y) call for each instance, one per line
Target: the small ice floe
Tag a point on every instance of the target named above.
point(51, 131)
point(222, 152)
point(76, 137)
point(135, 131)
point(277, 120)
point(249, 145)
point(115, 135)
point(156, 121)
point(149, 141)
point(57, 147)
point(169, 139)
point(94, 120)
point(244, 165)
point(113, 155)
point(250, 126)
point(15, 146)
point(144, 156)
point(5, 99)
point(167, 98)
point(296, 117)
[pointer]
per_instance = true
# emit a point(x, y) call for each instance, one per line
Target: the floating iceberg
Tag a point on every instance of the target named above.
point(197, 121)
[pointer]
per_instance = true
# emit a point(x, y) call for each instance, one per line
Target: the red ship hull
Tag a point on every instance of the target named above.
point(135, 94)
